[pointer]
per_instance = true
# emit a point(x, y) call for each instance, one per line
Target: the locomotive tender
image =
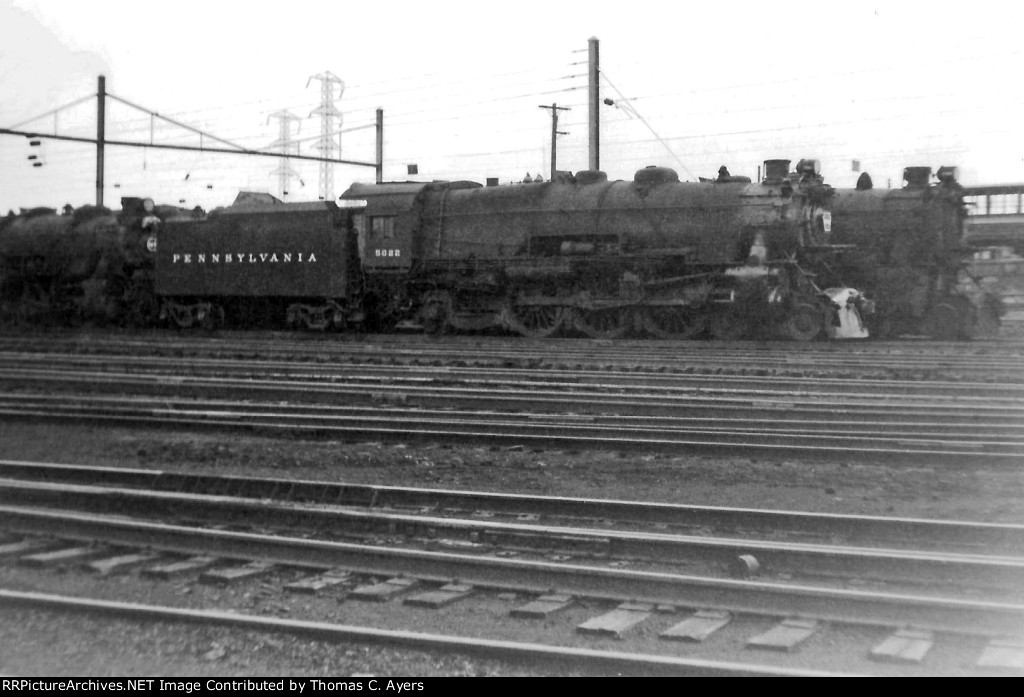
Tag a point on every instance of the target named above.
point(672, 259)
point(907, 252)
point(292, 262)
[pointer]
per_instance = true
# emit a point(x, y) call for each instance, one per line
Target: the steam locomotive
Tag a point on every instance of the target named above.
point(907, 251)
point(86, 262)
point(726, 257)
point(579, 253)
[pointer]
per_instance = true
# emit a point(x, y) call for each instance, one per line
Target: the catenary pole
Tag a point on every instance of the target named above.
point(594, 102)
point(101, 132)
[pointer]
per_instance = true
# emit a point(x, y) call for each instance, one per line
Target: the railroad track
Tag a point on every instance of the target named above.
point(986, 361)
point(70, 367)
point(920, 419)
point(836, 439)
point(598, 591)
point(787, 542)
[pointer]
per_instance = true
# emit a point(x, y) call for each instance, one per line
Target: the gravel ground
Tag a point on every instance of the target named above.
point(46, 644)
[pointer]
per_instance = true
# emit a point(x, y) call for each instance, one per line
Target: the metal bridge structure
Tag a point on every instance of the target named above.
point(995, 226)
point(995, 216)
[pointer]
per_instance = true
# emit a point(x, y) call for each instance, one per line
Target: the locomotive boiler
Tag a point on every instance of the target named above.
point(85, 263)
point(728, 256)
point(907, 252)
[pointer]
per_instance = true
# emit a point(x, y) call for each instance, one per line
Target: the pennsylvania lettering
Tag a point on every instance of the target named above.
point(245, 258)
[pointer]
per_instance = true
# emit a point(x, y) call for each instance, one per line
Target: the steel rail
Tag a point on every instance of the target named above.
point(248, 337)
point(768, 422)
point(1003, 537)
point(959, 616)
point(368, 373)
point(572, 397)
point(561, 658)
point(547, 432)
point(662, 548)
point(684, 355)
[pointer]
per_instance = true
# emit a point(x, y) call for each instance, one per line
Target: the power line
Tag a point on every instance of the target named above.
point(161, 146)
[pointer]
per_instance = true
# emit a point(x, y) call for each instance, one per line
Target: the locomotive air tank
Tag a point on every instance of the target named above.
point(671, 258)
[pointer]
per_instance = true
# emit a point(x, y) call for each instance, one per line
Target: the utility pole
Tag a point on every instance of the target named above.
point(554, 133)
point(380, 146)
point(101, 134)
point(326, 144)
point(284, 171)
point(594, 102)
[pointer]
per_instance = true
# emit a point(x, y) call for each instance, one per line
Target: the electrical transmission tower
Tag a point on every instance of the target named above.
point(325, 144)
point(284, 143)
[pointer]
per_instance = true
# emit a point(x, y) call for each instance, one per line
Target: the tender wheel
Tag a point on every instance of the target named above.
point(674, 323)
point(727, 326)
point(212, 319)
point(537, 321)
point(610, 323)
point(804, 323)
point(143, 308)
point(943, 322)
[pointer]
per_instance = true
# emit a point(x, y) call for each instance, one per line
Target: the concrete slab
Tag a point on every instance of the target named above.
point(121, 563)
point(785, 636)
point(618, 621)
point(236, 574)
point(445, 595)
point(1006, 654)
point(698, 626)
point(543, 606)
point(905, 646)
point(64, 555)
point(379, 592)
point(314, 584)
point(17, 548)
point(180, 568)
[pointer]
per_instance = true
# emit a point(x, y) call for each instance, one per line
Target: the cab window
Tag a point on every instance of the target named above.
point(383, 229)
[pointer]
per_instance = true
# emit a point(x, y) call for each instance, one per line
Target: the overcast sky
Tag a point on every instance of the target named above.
point(889, 84)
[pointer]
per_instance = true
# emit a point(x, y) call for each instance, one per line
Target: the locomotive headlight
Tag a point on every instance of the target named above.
point(147, 205)
point(151, 244)
point(948, 174)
